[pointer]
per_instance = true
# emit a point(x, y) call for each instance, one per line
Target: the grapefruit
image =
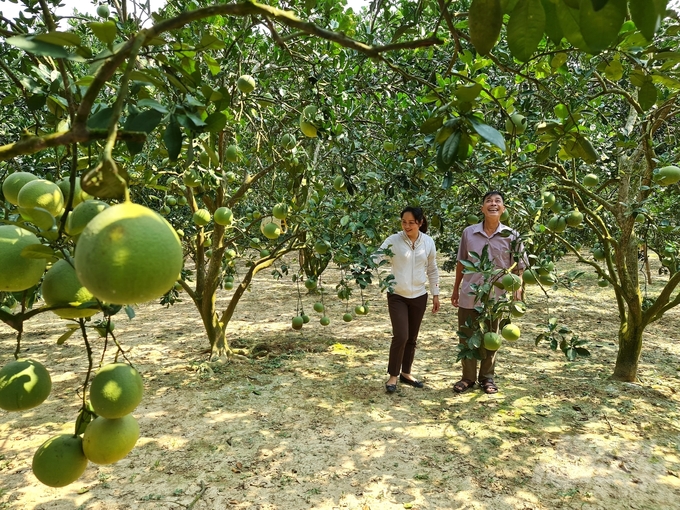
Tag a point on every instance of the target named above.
point(668, 175)
point(310, 284)
point(82, 214)
point(471, 219)
point(511, 282)
point(308, 129)
point(324, 321)
point(516, 123)
point(246, 83)
point(599, 254)
point(59, 461)
point(321, 247)
point(13, 184)
point(298, 322)
point(24, 384)
point(223, 216)
point(557, 224)
point(574, 218)
point(18, 273)
point(271, 231)
point(280, 211)
point(201, 217)
point(510, 332)
point(492, 341)
point(529, 277)
point(518, 308)
point(41, 193)
point(78, 195)
point(232, 154)
point(61, 287)
point(288, 141)
point(339, 183)
point(107, 441)
point(128, 254)
point(116, 390)
point(318, 307)
point(347, 317)
point(591, 180)
point(548, 199)
point(103, 11)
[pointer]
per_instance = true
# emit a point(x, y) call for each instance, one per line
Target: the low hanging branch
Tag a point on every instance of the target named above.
point(79, 133)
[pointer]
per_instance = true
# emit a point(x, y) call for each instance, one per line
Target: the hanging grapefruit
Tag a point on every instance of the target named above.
point(107, 441)
point(116, 390)
point(18, 273)
point(59, 461)
point(13, 184)
point(41, 193)
point(128, 254)
point(24, 384)
point(61, 287)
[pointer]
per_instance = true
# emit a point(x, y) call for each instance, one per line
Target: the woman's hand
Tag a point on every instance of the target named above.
point(435, 304)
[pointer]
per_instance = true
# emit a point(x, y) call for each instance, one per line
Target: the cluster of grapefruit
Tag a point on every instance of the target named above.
point(115, 392)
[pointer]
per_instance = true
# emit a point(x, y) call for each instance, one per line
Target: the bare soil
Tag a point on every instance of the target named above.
point(307, 424)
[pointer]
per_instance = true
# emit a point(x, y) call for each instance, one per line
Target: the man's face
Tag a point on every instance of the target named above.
point(493, 207)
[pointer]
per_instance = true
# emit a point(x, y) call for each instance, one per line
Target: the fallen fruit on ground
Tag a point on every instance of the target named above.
point(116, 390)
point(128, 254)
point(24, 384)
point(18, 273)
point(59, 461)
point(107, 441)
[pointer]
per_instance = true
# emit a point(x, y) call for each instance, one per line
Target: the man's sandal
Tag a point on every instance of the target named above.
point(463, 385)
point(489, 386)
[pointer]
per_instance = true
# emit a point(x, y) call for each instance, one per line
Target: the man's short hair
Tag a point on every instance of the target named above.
point(491, 193)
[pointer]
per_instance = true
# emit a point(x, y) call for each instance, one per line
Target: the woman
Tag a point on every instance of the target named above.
point(414, 261)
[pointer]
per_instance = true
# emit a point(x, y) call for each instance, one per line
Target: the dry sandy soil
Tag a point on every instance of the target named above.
point(310, 426)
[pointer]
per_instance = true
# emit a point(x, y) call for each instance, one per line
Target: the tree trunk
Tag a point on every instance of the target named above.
point(630, 346)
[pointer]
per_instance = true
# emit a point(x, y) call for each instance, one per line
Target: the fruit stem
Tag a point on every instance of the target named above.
point(88, 349)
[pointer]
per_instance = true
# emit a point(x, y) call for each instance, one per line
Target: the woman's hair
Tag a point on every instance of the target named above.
point(418, 215)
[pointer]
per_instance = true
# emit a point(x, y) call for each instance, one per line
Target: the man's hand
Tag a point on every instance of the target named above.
point(435, 304)
point(454, 298)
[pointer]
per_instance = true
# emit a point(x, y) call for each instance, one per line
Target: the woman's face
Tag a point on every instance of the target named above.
point(410, 225)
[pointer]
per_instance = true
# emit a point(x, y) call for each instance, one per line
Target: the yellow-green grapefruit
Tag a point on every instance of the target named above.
point(492, 341)
point(201, 217)
point(78, 196)
point(60, 460)
point(18, 273)
point(128, 254)
point(510, 332)
point(13, 184)
point(574, 218)
point(308, 129)
point(246, 83)
point(518, 308)
point(82, 214)
point(223, 216)
point(61, 287)
point(41, 193)
point(24, 384)
point(107, 441)
point(271, 231)
point(591, 180)
point(529, 277)
point(668, 175)
point(232, 153)
point(511, 282)
point(116, 390)
point(280, 211)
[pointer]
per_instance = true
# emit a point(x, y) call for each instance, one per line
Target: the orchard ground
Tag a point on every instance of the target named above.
point(307, 424)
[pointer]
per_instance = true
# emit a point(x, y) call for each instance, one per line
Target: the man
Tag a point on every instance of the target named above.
point(500, 250)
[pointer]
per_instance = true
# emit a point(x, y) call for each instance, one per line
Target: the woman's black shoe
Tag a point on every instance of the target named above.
point(414, 383)
point(390, 388)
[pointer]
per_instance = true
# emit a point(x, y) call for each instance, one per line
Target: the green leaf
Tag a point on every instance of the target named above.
point(447, 182)
point(450, 148)
point(30, 45)
point(487, 132)
point(586, 150)
point(145, 122)
point(525, 29)
point(569, 20)
point(485, 19)
point(647, 95)
point(646, 16)
point(59, 38)
point(105, 32)
point(216, 122)
point(173, 139)
point(598, 4)
point(68, 334)
point(468, 92)
point(210, 42)
point(101, 119)
point(431, 125)
point(508, 6)
point(601, 28)
point(614, 70)
point(213, 66)
point(552, 23)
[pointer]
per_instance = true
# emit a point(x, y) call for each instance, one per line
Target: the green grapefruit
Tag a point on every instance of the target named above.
point(510, 332)
point(59, 461)
point(511, 282)
point(13, 184)
point(18, 273)
point(107, 441)
point(298, 322)
point(591, 180)
point(271, 231)
point(24, 384)
point(61, 287)
point(128, 254)
point(318, 307)
point(492, 341)
point(41, 193)
point(82, 214)
point(201, 217)
point(246, 83)
point(116, 390)
point(223, 216)
point(668, 175)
